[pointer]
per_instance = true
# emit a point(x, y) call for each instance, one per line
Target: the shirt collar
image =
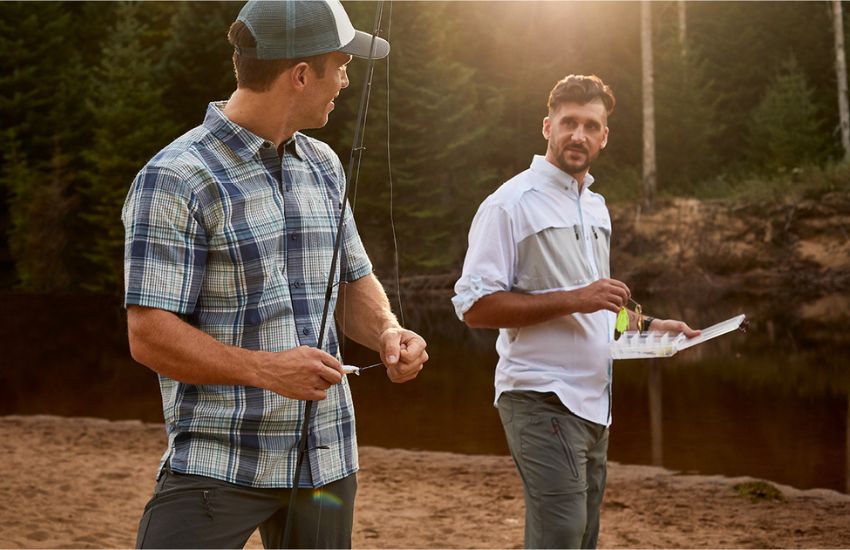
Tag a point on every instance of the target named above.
point(293, 145)
point(554, 175)
point(243, 142)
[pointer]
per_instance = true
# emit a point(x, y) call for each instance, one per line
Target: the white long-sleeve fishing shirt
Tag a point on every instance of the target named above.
point(538, 234)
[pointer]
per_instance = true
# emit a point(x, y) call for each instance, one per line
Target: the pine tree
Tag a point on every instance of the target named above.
point(196, 59)
point(40, 213)
point(40, 87)
point(786, 128)
point(742, 43)
point(688, 122)
point(130, 124)
point(439, 127)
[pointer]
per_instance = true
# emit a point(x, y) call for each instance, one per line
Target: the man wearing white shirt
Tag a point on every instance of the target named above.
point(537, 268)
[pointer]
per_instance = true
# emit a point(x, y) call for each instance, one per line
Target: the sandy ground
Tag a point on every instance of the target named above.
point(82, 483)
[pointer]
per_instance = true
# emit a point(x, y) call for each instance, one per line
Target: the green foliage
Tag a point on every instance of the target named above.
point(742, 43)
point(440, 121)
point(786, 129)
point(40, 208)
point(40, 91)
point(89, 91)
point(31, 39)
point(759, 491)
point(687, 121)
point(790, 186)
point(618, 183)
point(131, 124)
point(196, 61)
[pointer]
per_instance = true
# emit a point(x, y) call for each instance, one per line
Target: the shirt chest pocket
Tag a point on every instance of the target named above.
point(552, 258)
point(602, 250)
point(248, 213)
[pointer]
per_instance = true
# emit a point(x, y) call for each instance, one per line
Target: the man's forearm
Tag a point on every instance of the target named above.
point(363, 311)
point(164, 343)
point(515, 309)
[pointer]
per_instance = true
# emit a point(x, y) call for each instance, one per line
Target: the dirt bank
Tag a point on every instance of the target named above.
point(718, 247)
point(706, 249)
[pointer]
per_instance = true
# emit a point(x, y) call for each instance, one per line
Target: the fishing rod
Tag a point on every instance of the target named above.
point(354, 159)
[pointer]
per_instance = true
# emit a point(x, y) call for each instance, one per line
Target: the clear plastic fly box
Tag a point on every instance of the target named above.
point(646, 345)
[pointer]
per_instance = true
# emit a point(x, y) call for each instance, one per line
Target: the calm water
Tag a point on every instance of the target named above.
point(772, 403)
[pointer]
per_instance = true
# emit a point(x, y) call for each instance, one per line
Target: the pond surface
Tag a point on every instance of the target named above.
point(771, 403)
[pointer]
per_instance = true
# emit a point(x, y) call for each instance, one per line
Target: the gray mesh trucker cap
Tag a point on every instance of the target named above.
point(292, 29)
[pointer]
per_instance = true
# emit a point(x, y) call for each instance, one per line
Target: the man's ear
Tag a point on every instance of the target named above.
point(547, 128)
point(298, 75)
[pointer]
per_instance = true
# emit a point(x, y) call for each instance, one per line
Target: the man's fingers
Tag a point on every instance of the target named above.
point(622, 294)
point(413, 348)
point(399, 376)
point(390, 353)
point(689, 332)
point(330, 375)
point(621, 289)
point(612, 305)
point(316, 395)
point(327, 359)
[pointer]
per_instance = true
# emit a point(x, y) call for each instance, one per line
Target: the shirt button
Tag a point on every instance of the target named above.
point(294, 236)
point(267, 145)
point(297, 283)
point(305, 331)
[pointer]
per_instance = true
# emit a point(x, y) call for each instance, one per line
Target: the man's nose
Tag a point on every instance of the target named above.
point(345, 80)
point(578, 135)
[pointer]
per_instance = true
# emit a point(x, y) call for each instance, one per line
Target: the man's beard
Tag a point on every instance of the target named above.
point(573, 168)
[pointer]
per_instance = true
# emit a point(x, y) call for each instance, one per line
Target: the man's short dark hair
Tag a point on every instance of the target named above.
point(259, 74)
point(581, 89)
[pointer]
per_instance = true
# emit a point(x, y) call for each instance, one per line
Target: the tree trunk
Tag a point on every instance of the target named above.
point(649, 170)
point(841, 74)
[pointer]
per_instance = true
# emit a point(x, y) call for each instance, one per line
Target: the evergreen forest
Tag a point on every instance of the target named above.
point(745, 95)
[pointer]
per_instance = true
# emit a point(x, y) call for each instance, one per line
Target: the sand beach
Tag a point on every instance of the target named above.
point(83, 482)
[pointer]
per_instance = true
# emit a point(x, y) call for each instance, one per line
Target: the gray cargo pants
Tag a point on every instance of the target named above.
point(188, 511)
point(562, 460)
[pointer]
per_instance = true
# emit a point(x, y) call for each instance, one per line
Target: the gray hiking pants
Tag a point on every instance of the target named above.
point(562, 460)
point(188, 511)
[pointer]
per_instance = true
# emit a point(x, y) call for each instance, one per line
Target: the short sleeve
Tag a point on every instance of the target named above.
point(354, 262)
point(489, 263)
point(165, 245)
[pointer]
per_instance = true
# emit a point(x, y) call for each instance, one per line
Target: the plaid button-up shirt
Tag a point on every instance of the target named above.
point(238, 241)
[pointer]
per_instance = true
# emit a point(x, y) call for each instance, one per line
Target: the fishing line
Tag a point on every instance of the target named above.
point(354, 160)
point(390, 173)
point(397, 269)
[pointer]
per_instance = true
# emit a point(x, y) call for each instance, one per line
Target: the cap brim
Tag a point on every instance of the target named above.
point(359, 47)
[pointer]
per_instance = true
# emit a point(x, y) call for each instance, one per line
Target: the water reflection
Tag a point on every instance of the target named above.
point(774, 403)
point(656, 430)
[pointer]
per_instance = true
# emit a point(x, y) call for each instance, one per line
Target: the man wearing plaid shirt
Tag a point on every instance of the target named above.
point(229, 239)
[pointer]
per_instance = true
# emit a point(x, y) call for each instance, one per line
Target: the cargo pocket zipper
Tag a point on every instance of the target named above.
point(568, 452)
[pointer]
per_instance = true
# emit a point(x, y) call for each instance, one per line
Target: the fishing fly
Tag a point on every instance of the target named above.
point(351, 369)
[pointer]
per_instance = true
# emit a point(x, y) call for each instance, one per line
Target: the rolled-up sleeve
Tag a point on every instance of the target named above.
point(165, 246)
point(489, 263)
